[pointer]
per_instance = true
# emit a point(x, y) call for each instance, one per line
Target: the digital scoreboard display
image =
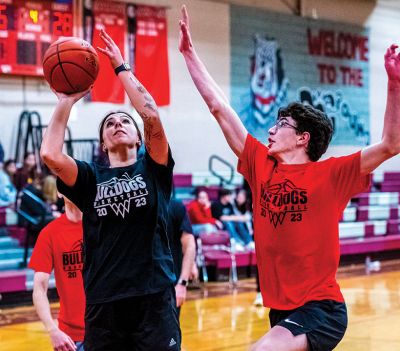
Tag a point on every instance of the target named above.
point(27, 28)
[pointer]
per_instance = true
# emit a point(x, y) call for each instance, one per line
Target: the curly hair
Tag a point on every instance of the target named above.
point(313, 121)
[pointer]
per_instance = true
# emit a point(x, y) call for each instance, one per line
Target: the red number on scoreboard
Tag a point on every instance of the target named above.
point(62, 25)
point(3, 18)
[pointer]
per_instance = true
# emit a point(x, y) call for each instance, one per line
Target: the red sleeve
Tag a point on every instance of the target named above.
point(198, 216)
point(346, 177)
point(247, 165)
point(42, 255)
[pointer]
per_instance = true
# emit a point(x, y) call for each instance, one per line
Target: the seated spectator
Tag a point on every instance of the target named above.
point(51, 195)
point(8, 193)
point(1, 153)
point(10, 168)
point(199, 211)
point(32, 203)
point(27, 173)
point(235, 224)
point(242, 206)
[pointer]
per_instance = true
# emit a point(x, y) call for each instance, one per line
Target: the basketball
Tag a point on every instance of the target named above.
point(70, 65)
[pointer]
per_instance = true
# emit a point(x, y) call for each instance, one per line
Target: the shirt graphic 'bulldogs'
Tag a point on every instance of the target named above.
point(73, 260)
point(279, 199)
point(118, 193)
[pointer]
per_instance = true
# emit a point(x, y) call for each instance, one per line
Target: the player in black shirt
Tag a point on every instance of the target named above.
point(128, 268)
point(183, 248)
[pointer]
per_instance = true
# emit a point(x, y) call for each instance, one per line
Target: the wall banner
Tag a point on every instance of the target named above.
point(277, 59)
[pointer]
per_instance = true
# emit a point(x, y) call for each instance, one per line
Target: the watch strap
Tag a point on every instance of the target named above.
point(183, 282)
point(123, 67)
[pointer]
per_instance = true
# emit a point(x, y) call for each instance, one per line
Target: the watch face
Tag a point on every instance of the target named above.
point(127, 66)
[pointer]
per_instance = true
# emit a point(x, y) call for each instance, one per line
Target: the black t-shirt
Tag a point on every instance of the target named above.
point(218, 209)
point(126, 249)
point(178, 222)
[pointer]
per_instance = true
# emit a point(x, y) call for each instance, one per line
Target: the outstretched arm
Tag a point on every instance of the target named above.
point(389, 146)
point(230, 123)
point(154, 135)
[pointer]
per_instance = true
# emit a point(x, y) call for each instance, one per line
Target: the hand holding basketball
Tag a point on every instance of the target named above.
point(70, 65)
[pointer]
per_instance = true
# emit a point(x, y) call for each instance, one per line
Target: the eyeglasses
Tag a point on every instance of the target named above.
point(281, 124)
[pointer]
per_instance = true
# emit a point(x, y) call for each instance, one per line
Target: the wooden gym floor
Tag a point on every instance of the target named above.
point(221, 318)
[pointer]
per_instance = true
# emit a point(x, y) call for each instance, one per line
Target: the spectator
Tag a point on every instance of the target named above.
point(27, 173)
point(8, 192)
point(32, 203)
point(1, 153)
point(10, 168)
point(199, 211)
point(235, 224)
point(51, 195)
point(242, 206)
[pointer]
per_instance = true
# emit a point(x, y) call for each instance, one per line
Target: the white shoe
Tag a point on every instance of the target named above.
point(259, 300)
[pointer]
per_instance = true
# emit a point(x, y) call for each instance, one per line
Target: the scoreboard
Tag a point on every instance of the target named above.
point(27, 28)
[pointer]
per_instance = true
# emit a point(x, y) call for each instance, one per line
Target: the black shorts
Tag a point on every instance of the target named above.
point(324, 323)
point(139, 323)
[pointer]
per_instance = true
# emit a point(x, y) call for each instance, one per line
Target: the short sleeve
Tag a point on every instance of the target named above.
point(84, 182)
point(163, 173)
point(42, 255)
point(253, 152)
point(346, 177)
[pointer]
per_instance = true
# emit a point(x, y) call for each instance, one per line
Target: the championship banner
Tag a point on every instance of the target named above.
point(151, 52)
point(277, 59)
point(112, 17)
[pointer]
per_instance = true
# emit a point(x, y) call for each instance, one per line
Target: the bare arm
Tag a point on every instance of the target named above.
point(51, 150)
point(389, 146)
point(59, 339)
point(230, 123)
point(189, 253)
point(155, 139)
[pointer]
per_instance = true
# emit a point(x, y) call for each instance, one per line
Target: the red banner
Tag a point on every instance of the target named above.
point(111, 16)
point(151, 54)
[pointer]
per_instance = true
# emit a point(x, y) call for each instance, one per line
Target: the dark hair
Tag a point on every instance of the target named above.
point(313, 121)
point(27, 154)
point(8, 162)
point(224, 192)
point(197, 190)
point(101, 126)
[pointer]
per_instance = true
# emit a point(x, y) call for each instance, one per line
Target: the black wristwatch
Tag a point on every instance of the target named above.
point(183, 282)
point(124, 67)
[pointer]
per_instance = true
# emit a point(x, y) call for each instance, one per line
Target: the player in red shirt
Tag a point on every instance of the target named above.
point(298, 203)
point(59, 247)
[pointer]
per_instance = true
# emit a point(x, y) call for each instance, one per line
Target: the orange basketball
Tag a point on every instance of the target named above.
point(70, 65)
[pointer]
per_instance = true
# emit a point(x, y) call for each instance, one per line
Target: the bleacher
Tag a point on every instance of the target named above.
point(370, 224)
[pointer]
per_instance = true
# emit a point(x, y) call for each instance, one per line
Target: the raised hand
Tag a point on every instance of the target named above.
point(185, 40)
point(111, 50)
point(392, 63)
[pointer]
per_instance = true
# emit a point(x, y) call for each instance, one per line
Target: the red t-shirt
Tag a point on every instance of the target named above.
point(59, 247)
point(297, 209)
point(198, 214)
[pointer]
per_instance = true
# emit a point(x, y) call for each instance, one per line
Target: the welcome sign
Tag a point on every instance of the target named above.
point(277, 59)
